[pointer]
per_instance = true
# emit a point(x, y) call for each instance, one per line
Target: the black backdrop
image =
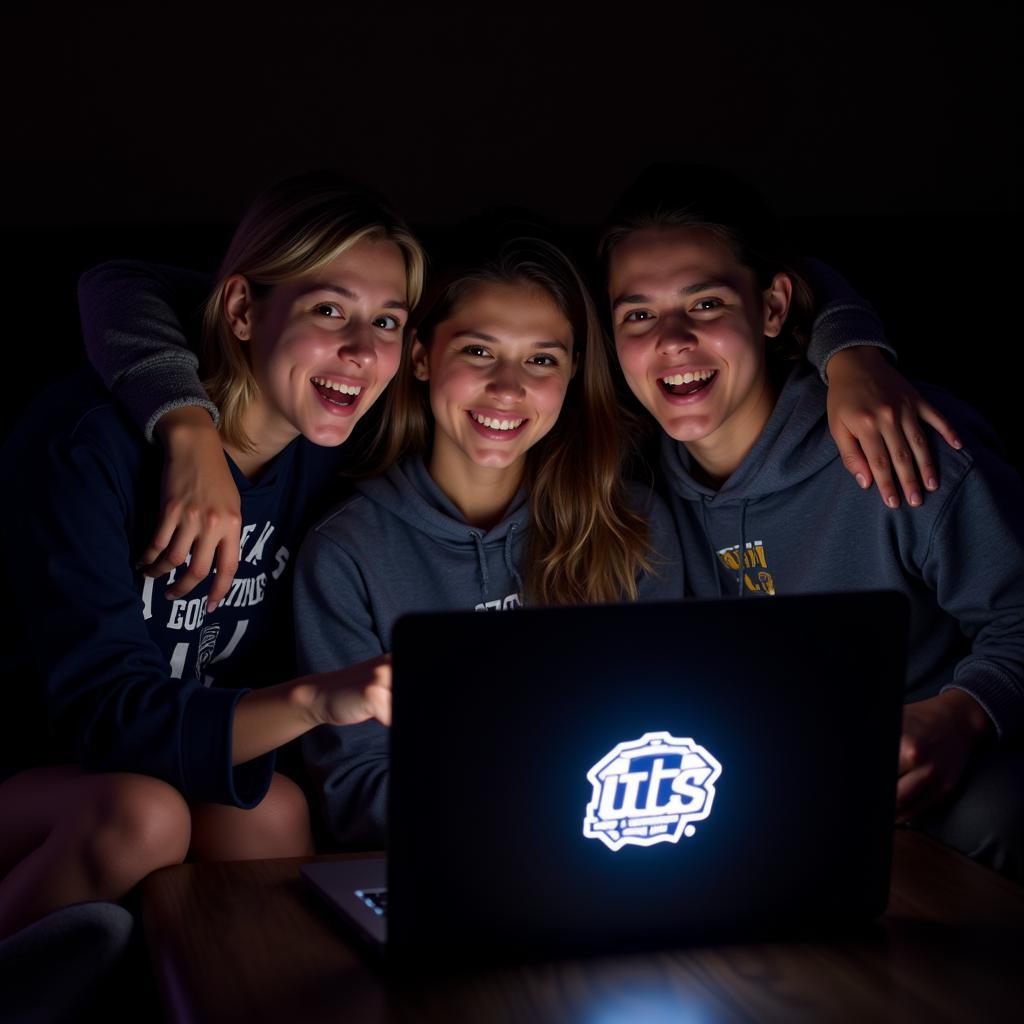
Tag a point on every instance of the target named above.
point(887, 136)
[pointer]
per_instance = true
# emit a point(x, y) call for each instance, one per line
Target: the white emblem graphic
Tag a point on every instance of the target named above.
point(649, 791)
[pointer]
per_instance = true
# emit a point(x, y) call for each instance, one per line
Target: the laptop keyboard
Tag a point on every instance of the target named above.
point(375, 899)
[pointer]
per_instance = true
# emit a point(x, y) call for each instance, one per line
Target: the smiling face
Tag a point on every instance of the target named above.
point(690, 322)
point(323, 347)
point(499, 367)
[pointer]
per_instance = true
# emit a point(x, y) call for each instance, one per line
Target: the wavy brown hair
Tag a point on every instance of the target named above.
point(293, 228)
point(587, 545)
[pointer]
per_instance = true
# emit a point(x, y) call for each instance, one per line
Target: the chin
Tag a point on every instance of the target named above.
point(329, 436)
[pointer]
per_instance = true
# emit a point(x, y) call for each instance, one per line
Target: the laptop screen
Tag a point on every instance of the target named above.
point(625, 773)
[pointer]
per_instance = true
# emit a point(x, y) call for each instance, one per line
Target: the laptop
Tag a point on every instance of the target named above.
point(618, 777)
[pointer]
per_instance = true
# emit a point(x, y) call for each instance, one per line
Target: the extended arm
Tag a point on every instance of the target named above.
point(115, 701)
point(134, 322)
point(334, 627)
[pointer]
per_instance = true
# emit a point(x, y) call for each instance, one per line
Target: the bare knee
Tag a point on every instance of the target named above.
point(276, 827)
point(133, 825)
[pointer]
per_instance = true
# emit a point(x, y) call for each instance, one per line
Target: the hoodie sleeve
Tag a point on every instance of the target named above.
point(134, 317)
point(110, 693)
point(334, 627)
point(975, 563)
point(843, 319)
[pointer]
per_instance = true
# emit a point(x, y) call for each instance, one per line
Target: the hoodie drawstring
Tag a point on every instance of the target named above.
point(510, 565)
point(715, 574)
point(743, 547)
point(482, 559)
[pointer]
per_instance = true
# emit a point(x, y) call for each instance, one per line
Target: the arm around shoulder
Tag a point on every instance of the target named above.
point(133, 321)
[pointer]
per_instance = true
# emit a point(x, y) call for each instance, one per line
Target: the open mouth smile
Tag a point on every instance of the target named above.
point(497, 427)
point(335, 394)
point(685, 385)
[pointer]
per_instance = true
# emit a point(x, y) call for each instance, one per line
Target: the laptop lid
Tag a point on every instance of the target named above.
point(619, 776)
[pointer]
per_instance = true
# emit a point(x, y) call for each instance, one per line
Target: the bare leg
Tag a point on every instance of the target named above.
point(70, 836)
point(277, 827)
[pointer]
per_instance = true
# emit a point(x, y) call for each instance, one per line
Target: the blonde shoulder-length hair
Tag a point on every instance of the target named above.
point(292, 229)
point(587, 544)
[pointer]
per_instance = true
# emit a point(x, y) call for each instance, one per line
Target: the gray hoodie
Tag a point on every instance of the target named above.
point(400, 545)
point(805, 527)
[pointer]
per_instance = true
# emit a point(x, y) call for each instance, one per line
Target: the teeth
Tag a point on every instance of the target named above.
point(345, 389)
point(689, 378)
point(493, 424)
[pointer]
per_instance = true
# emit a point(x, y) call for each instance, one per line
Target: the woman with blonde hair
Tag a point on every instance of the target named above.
point(156, 745)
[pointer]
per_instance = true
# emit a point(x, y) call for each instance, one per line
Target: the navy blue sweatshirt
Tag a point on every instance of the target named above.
point(130, 680)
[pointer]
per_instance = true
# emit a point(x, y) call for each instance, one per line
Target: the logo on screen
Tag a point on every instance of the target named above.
point(650, 790)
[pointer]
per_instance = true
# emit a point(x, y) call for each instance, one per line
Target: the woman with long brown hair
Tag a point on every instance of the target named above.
point(499, 482)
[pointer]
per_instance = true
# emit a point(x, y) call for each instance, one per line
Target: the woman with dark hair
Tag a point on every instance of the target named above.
point(709, 319)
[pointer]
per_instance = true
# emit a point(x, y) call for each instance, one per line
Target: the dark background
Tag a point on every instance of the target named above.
point(888, 137)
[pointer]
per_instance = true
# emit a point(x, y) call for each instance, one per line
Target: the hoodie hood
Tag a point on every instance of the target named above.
point(408, 492)
point(716, 527)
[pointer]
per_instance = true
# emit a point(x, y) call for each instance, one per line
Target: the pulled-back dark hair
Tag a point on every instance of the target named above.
point(669, 195)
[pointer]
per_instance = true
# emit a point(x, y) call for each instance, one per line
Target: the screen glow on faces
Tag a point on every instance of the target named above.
point(499, 368)
point(325, 346)
point(690, 322)
point(650, 790)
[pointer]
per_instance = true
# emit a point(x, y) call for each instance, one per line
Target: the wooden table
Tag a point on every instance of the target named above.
point(248, 942)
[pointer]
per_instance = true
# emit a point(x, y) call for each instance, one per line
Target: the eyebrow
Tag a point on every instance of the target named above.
point(690, 289)
point(351, 295)
point(491, 340)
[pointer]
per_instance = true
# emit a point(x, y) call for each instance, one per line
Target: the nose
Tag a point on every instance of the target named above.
point(357, 346)
point(676, 333)
point(504, 384)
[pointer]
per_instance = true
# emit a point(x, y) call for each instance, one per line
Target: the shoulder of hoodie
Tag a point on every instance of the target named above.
point(645, 499)
point(980, 460)
point(77, 414)
point(352, 524)
point(982, 455)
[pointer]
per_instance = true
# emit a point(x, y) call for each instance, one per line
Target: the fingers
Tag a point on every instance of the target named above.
point(900, 454)
point(184, 528)
point(226, 567)
point(876, 452)
point(921, 454)
point(889, 453)
point(378, 700)
point(916, 791)
point(935, 419)
point(378, 692)
point(852, 455)
point(203, 543)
